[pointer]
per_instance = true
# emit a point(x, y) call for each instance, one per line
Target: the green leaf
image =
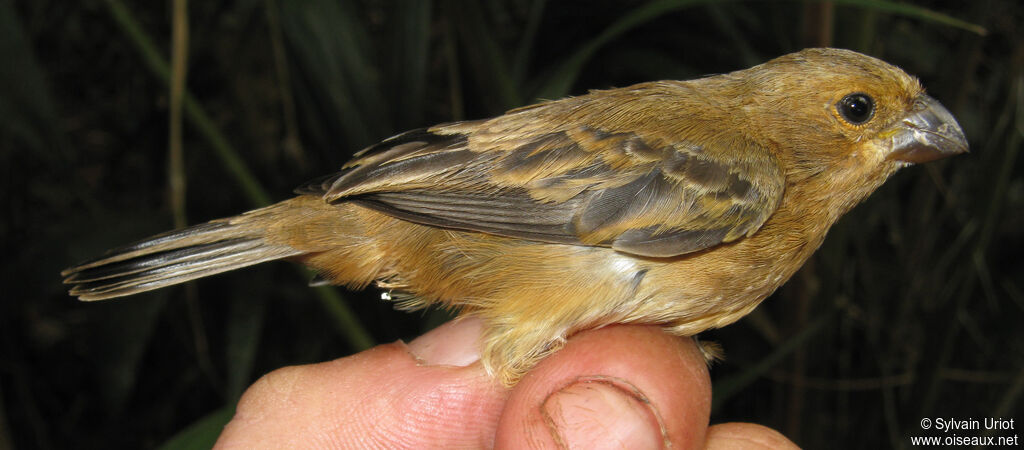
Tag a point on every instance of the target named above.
point(559, 84)
point(409, 53)
point(485, 57)
point(916, 12)
point(26, 107)
point(337, 63)
point(202, 434)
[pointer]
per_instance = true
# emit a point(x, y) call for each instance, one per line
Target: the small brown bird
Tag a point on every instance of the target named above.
point(679, 203)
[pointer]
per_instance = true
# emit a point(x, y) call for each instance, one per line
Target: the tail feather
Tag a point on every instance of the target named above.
point(172, 258)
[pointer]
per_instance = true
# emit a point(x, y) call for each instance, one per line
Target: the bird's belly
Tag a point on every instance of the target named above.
point(575, 286)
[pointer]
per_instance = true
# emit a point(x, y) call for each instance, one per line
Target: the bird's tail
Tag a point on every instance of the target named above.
point(178, 256)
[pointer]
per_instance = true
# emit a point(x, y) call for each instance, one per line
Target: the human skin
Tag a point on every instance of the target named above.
point(618, 386)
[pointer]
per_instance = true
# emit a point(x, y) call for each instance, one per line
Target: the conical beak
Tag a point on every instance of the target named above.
point(928, 133)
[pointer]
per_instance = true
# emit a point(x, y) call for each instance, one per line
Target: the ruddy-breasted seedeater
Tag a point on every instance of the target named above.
point(678, 203)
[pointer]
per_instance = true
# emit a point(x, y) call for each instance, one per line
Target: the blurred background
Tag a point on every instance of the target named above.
point(911, 309)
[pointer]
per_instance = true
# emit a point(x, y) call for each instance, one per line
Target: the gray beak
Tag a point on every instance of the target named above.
point(928, 133)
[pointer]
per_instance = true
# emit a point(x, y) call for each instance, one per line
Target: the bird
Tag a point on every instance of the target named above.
point(682, 204)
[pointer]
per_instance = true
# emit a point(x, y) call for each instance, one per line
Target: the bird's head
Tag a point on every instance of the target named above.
point(833, 112)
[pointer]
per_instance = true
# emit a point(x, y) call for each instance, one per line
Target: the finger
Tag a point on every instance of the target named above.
point(623, 386)
point(751, 436)
point(384, 397)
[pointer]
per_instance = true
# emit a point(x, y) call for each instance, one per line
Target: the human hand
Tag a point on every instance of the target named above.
point(619, 386)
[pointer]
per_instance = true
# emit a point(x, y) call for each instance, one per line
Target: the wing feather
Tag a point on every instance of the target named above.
point(637, 188)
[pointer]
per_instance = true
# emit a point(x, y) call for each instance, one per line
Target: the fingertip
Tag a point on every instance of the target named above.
point(645, 385)
point(746, 436)
point(456, 343)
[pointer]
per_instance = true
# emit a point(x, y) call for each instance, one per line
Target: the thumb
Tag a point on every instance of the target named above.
point(622, 386)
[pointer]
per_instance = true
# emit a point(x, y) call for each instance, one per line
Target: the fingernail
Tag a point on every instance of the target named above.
point(603, 412)
point(456, 343)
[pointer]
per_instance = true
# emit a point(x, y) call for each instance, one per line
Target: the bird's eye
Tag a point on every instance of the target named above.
point(856, 108)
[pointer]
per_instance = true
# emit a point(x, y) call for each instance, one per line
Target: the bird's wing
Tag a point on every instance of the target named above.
point(634, 190)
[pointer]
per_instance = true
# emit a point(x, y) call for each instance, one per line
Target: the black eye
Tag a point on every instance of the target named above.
point(856, 108)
